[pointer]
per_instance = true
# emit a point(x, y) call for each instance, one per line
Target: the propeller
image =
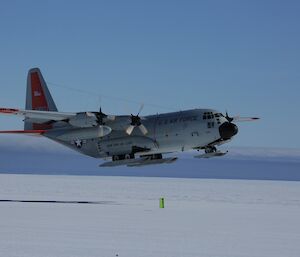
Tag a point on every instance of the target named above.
point(230, 119)
point(136, 121)
point(239, 119)
point(101, 117)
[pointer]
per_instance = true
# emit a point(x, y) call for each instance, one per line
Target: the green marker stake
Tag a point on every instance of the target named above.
point(161, 202)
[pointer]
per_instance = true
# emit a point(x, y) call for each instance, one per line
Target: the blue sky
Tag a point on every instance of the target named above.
point(242, 56)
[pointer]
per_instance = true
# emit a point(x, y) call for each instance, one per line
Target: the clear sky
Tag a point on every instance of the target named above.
point(240, 56)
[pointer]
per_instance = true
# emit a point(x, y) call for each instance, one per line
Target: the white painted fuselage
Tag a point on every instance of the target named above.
point(167, 133)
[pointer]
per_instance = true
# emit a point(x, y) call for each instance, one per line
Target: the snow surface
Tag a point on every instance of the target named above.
point(210, 218)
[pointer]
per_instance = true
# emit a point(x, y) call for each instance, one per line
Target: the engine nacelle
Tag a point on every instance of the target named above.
point(85, 133)
point(84, 120)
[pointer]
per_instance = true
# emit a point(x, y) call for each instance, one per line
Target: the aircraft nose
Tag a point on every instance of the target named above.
point(228, 130)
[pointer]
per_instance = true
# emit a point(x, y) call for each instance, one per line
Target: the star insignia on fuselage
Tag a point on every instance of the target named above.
point(78, 143)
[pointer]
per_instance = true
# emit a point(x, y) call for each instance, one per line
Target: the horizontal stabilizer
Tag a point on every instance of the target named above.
point(43, 116)
point(8, 111)
point(27, 132)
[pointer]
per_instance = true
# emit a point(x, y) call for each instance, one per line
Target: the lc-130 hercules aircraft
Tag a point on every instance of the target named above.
point(129, 140)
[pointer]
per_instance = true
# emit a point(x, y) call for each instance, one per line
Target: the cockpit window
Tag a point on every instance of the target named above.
point(218, 115)
point(208, 115)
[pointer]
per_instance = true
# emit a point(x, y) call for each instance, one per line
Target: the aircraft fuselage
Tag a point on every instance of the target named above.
point(169, 132)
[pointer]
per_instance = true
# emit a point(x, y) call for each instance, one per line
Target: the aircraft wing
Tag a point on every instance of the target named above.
point(42, 116)
point(81, 119)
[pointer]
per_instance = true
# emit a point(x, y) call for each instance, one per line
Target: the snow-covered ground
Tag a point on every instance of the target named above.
point(212, 218)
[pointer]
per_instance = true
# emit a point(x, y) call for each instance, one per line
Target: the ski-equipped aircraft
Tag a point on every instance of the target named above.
point(130, 140)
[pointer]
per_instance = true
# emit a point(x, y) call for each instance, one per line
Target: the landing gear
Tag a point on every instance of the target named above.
point(128, 156)
point(122, 157)
point(210, 149)
point(115, 158)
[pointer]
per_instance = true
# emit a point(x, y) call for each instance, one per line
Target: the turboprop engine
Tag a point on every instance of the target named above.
point(84, 120)
point(90, 119)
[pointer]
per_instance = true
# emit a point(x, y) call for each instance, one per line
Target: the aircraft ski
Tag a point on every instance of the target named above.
point(142, 161)
point(130, 140)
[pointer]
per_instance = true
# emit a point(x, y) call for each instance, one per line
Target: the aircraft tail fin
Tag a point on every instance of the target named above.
point(38, 97)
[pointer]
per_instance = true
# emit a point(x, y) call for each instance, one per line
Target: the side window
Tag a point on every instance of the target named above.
point(210, 124)
point(195, 134)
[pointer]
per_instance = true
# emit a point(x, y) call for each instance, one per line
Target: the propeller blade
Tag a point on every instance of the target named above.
point(130, 129)
point(242, 119)
point(135, 121)
point(102, 117)
point(230, 119)
point(140, 110)
point(143, 129)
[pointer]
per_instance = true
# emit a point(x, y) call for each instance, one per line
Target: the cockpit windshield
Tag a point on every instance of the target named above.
point(218, 115)
point(210, 115)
